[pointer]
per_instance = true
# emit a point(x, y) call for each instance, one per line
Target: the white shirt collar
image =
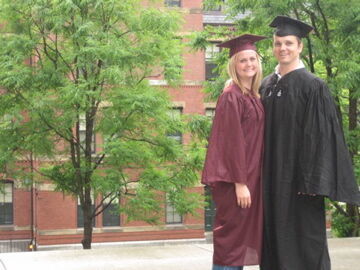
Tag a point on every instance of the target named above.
point(301, 65)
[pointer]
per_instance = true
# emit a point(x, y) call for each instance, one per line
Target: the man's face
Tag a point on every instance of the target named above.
point(287, 49)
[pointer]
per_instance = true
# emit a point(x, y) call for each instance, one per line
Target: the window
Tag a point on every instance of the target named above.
point(6, 203)
point(111, 216)
point(172, 3)
point(176, 113)
point(210, 112)
point(80, 216)
point(210, 210)
point(82, 133)
point(211, 51)
point(172, 217)
point(213, 7)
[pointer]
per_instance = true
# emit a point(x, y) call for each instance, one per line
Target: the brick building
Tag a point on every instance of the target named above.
point(39, 214)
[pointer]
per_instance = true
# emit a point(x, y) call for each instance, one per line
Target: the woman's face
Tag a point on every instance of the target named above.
point(247, 64)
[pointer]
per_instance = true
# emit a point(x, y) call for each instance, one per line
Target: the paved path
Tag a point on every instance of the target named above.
point(345, 254)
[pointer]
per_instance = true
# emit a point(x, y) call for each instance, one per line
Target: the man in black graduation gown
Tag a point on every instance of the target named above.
point(305, 158)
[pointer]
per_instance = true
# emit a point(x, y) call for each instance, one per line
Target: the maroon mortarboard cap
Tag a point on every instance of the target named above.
point(286, 26)
point(241, 43)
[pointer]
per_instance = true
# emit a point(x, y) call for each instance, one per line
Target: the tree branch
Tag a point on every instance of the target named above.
point(339, 208)
point(105, 206)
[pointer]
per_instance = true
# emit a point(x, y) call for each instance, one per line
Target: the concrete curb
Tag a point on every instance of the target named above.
point(170, 242)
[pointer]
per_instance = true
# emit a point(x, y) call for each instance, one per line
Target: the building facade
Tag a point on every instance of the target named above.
point(36, 216)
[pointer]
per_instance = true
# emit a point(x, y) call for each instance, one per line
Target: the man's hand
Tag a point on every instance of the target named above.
point(243, 196)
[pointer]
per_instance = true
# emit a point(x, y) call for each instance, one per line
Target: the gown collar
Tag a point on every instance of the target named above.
point(300, 65)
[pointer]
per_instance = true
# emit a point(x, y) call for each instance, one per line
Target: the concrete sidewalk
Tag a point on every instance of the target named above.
point(345, 255)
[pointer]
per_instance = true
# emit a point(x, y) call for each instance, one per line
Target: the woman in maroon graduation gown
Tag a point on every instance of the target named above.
point(233, 161)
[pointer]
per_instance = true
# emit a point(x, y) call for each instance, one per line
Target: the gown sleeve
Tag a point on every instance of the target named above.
point(225, 159)
point(325, 163)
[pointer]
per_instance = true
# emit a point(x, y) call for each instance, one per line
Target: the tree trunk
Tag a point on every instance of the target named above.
point(352, 210)
point(311, 58)
point(352, 116)
point(88, 218)
point(87, 237)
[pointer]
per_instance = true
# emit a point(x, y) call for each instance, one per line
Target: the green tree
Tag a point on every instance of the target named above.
point(331, 52)
point(73, 69)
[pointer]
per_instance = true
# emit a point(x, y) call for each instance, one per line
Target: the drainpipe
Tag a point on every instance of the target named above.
point(33, 244)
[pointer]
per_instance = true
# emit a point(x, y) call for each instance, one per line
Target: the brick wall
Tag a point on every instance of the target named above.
point(56, 213)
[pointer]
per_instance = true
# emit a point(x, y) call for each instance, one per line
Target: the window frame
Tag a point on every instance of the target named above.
point(177, 136)
point(210, 65)
point(170, 209)
point(108, 213)
point(79, 210)
point(3, 216)
point(173, 3)
point(216, 9)
point(210, 112)
point(82, 133)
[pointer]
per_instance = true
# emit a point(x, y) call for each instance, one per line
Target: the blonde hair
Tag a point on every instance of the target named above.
point(234, 76)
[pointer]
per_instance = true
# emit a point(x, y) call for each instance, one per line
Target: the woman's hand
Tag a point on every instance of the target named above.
point(243, 196)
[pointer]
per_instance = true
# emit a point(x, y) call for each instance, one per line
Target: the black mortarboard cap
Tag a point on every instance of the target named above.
point(286, 26)
point(240, 43)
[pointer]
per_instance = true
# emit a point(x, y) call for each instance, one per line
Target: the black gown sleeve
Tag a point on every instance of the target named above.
point(325, 163)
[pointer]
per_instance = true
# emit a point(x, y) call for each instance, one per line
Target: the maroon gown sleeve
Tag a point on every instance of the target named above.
point(225, 158)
